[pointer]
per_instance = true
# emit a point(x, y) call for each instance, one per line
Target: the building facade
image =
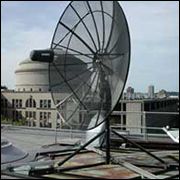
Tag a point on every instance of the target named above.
point(34, 108)
point(38, 109)
point(151, 94)
point(31, 102)
point(144, 113)
point(130, 93)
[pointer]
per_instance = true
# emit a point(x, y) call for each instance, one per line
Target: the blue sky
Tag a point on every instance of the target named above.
point(154, 29)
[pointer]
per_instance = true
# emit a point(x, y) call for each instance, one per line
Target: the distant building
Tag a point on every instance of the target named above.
point(133, 113)
point(151, 94)
point(162, 94)
point(173, 94)
point(139, 95)
point(130, 93)
point(31, 101)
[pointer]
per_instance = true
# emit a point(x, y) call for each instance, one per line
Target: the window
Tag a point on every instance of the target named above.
point(49, 124)
point(146, 107)
point(124, 106)
point(6, 113)
point(41, 116)
point(17, 103)
point(17, 116)
point(20, 103)
point(45, 103)
point(41, 103)
point(34, 123)
point(26, 114)
point(13, 114)
point(45, 115)
point(20, 114)
point(118, 107)
point(49, 115)
point(30, 103)
point(158, 105)
point(34, 115)
point(49, 103)
point(27, 103)
point(30, 114)
point(41, 125)
point(45, 119)
point(13, 103)
point(124, 119)
point(152, 106)
point(34, 103)
point(2, 103)
point(6, 103)
point(165, 103)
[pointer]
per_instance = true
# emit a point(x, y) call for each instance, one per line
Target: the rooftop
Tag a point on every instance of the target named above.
point(43, 153)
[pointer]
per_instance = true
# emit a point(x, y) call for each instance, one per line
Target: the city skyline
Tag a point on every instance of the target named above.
point(154, 30)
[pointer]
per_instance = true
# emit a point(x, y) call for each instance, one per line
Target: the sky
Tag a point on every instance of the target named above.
point(154, 31)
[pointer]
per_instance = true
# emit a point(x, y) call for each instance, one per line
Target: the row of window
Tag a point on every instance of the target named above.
point(157, 105)
point(42, 124)
point(17, 103)
point(31, 103)
point(45, 116)
point(120, 107)
point(45, 103)
point(30, 117)
point(29, 114)
point(17, 115)
point(28, 89)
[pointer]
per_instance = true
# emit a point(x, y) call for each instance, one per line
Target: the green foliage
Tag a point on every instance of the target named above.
point(5, 120)
point(20, 122)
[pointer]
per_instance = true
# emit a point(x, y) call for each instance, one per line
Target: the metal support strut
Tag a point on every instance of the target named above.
point(140, 147)
point(107, 142)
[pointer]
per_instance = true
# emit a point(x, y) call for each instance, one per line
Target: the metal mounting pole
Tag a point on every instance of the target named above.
point(107, 141)
point(56, 133)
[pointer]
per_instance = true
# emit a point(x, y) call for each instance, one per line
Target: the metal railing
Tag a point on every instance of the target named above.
point(142, 131)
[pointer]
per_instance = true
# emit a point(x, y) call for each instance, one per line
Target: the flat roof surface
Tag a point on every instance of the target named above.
point(126, 163)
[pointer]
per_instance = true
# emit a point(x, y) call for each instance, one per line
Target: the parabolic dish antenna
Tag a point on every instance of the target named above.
point(91, 57)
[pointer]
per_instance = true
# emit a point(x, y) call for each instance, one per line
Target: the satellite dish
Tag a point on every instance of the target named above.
point(91, 46)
